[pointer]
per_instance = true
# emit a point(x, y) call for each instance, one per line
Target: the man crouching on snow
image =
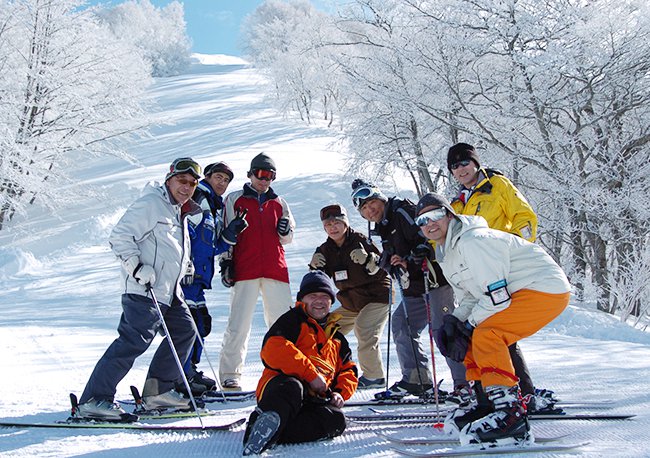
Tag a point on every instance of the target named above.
point(308, 373)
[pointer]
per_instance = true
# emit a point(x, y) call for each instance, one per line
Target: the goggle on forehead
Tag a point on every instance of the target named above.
point(331, 211)
point(363, 193)
point(431, 215)
point(185, 165)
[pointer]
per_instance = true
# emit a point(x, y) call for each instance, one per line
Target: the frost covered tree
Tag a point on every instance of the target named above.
point(68, 88)
point(283, 39)
point(554, 92)
point(160, 33)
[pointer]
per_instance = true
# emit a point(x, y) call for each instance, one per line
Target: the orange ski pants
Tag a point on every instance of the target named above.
point(488, 358)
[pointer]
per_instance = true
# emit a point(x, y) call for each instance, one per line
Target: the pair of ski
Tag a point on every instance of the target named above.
point(129, 421)
point(449, 446)
point(431, 417)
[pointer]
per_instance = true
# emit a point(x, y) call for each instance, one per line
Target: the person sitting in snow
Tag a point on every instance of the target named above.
point(507, 289)
point(308, 373)
point(351, 260)
point(152, 241)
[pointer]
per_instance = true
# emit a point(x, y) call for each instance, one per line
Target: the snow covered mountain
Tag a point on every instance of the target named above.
point(60, 295)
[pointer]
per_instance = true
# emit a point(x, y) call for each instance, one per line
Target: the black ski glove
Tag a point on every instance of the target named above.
point(227, 273)
point(235, 227)
point(203, 319)
point(453, 338)
point(283, 226)
point(421, 252)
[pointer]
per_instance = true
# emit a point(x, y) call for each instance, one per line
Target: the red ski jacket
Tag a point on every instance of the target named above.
point(259, 252)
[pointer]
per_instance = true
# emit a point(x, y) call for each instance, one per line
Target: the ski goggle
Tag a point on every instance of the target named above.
point(263, 174)
point(464, 163)
point(363, 193)
point(431, 215)
point(185, 165)
point(332, 212)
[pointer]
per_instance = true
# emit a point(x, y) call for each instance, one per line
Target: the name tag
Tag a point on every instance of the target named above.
point(498, 292)
point(340, 275)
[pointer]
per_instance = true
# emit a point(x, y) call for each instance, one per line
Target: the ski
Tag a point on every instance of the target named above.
point(214, 396)
point(468, 450)
point(421, 418)
point(450, 440)
point(605, 404)
point(90, 424)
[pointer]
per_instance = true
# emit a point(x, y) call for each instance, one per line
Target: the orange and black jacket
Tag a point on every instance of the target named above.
point(297, 346)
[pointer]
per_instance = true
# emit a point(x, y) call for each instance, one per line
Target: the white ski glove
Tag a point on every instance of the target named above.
point(359, 255)
point(318, 261)
point(369, 261)
point(142, 273)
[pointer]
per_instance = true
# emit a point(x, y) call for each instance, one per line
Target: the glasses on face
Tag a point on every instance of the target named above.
point(185, 165)
point(331, 211)
point(431, 215)
point(363, 193)
point(464, 163)
point(185, 182)
point(263, 174)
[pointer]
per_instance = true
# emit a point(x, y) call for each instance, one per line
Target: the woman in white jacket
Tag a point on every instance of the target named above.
point(507, 289)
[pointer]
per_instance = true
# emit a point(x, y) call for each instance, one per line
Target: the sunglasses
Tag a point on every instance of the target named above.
point(331, 211)
point(185, 181)
point(464, 163)
point(361, 194)
point(185, 165)
point(431, 215)
point(263, 174)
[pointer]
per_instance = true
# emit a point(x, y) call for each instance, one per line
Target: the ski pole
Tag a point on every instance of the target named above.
point(427, 303)
point(390, 313)
point(205, 353)
point(408, 325)
point(174, 353)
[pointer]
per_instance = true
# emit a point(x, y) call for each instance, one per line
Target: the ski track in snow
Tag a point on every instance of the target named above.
point(60, 294)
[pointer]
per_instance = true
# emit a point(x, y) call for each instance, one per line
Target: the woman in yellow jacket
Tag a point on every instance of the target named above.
point(487, 193)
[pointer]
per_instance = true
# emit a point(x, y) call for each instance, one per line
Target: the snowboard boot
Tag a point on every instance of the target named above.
point(506, 425)
point(473, 408)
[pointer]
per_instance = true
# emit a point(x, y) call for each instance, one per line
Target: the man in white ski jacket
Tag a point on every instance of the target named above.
point(507, 289)
point(151, 239)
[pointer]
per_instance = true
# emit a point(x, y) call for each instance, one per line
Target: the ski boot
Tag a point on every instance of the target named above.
point(506, 425)
point(261, 431)
point(474, 407)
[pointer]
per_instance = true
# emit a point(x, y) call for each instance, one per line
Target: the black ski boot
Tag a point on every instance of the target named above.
point(507, 424)
point(468, 412)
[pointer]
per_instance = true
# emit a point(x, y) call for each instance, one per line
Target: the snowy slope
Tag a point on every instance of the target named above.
point(59, 289)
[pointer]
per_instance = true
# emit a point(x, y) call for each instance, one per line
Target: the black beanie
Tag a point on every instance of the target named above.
point(262, 161)
point(219, 167)
point(316, 281)
point(462, 152)
point(432, 199)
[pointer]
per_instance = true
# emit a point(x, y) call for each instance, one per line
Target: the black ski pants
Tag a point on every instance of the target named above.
point(301, 420)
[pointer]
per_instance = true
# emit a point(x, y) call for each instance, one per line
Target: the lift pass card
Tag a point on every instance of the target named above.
point(498, 292)
point(341, 275)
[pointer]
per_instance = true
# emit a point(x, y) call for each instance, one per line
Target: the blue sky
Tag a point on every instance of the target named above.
point(213, 25)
